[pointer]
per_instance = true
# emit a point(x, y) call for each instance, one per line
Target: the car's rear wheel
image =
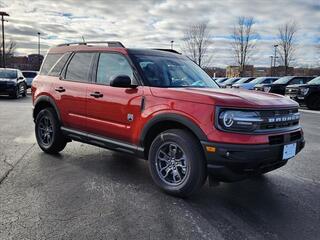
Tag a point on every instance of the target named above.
point(48, 133)
point(176, 162)
point(313, 102)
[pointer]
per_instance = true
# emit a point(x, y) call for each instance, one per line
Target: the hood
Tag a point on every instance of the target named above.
point(274, 85)
point(296, 85)
point(232, 97)
point(245, 85)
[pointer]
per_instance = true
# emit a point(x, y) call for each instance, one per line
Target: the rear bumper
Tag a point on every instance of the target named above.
point(233, 162)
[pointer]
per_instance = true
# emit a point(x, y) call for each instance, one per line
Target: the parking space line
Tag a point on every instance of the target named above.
point(309, 111)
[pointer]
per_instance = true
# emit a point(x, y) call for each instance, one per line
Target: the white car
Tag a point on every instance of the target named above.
point(29, 75)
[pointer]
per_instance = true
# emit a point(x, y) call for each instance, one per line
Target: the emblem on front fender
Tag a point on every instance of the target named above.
point(130, 117)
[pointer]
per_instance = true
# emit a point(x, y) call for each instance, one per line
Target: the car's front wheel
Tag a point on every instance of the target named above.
point(176, 162)
point(48, 133)
point(313, 102)
point(24, 90)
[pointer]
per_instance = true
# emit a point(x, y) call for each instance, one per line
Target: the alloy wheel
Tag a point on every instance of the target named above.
point(171, 164)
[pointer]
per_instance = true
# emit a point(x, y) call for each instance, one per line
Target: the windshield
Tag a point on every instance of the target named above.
point(29, 74)
point(315, 81)
point(244, 80)
point(283, 80)
point(231, 81)
point(8, 74)
point(166, 71)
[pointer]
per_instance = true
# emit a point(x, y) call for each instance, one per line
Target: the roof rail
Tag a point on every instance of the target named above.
point(167, 50)
point(110, 43)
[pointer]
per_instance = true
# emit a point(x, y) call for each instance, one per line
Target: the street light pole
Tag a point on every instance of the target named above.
point(39, 49)
point(275, 54)
point(2, 14)
point(172, 44)
point(271, 57)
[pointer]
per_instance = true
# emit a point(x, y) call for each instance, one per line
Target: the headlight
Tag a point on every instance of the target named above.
point(266, 89)
point(304, 91)
point(234, 120)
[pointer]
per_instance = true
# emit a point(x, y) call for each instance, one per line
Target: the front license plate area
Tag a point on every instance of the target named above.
point(289, 151)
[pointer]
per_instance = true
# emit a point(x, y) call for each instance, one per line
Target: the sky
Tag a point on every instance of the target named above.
point(154, 23)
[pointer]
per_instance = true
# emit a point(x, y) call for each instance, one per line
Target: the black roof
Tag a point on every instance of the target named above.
point(155, 52)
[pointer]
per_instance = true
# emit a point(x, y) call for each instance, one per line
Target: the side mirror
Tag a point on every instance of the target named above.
point(122, 81)
point(20, 78)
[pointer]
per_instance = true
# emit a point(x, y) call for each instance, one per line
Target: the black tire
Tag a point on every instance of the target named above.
point(56, 142)
point(24, 93)
point(313, 102)
point(195, 170)
point(16, 93)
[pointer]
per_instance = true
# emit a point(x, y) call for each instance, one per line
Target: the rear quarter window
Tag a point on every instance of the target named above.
point(57, 68)
point(49, 62)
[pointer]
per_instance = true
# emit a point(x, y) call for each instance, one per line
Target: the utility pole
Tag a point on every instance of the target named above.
point(271, 57)
point(2, 14)
point(39, 50)
point(172, 44)
point(275, 54)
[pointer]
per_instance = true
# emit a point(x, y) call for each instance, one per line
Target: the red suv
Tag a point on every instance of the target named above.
point(159, 105)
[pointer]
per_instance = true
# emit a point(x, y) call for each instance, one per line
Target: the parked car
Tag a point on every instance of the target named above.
point(260, 80)
point(219, 81)
point(12, 82)
point(242, 81)
point(229, 82)
point(279, 86)
point(29, 76)
point(162, 107)
point(306, 94)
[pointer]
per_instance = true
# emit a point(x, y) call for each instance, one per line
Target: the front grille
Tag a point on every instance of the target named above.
point(278, 119)
point(283, 138)
point(3, 85)
point(292, 91)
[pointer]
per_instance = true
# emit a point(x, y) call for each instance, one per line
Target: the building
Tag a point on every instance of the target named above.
point(261, 72)
point(307, 71)
point(215, 71)
point(30, 62)
point(280, 71)
point(234, 71)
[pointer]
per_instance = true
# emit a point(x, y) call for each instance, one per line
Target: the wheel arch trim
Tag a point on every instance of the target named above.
point(163, 117)
point(46, 99)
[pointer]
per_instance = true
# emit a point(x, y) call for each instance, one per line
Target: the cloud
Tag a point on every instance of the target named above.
point(154, 23)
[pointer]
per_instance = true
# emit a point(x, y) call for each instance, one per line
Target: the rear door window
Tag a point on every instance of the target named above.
point(49, 62)
point(79, 67)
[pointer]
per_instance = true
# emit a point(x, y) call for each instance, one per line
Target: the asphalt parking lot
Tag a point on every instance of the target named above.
point(91, 193)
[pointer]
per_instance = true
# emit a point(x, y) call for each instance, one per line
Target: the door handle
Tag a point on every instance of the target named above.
point(96, 94)
point(60, 89)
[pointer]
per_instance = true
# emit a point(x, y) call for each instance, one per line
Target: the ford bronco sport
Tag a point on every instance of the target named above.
point(162, 107)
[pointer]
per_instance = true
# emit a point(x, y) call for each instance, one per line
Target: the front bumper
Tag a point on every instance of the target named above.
point(7, 89)
point(233, 162)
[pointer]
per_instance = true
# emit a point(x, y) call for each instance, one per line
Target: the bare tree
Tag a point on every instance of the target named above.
point(10, 47)
point(243, 41)
point(286, 35)
point(196, 43)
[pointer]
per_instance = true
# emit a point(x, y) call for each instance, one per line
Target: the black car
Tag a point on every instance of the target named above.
point(12, 82)
point(279, 86)
point(306, 94)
